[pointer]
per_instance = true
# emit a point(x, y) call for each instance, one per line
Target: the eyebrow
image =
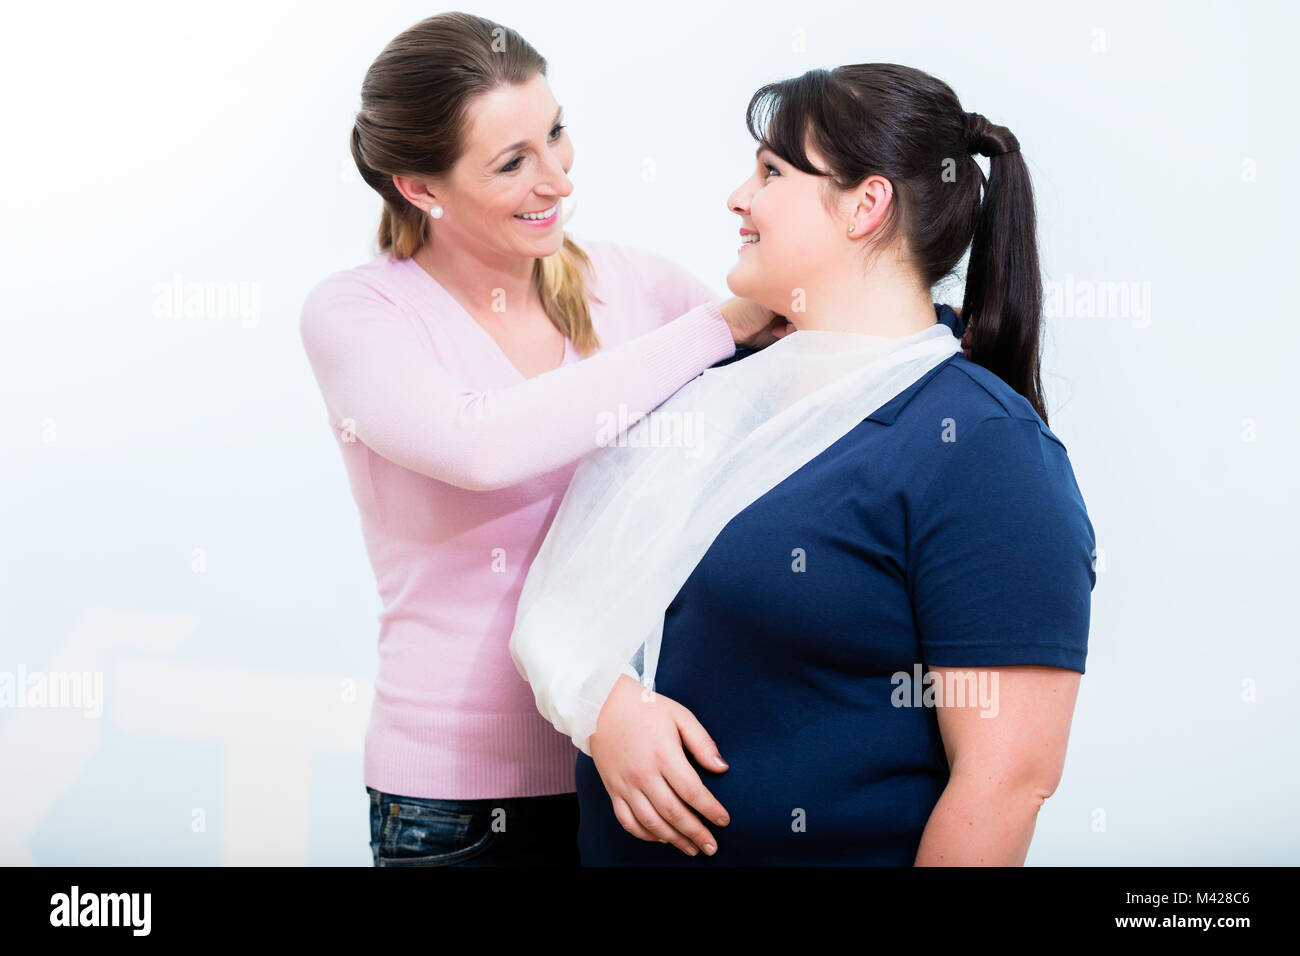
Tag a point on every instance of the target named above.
point(522, 143)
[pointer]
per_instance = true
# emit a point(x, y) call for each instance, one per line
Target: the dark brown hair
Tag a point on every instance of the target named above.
point(898, 122)
point(415, 101)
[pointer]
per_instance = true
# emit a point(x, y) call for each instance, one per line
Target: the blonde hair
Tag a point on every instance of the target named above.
point(414, 104)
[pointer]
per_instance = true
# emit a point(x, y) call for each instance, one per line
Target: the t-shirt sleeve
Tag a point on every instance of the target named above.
point(383, 385)
point(1000, 553)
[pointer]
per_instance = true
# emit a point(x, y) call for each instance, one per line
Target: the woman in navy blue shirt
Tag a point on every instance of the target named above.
point(941, 547)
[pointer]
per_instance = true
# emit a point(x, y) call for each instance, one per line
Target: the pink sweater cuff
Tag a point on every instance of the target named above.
point(701, 330)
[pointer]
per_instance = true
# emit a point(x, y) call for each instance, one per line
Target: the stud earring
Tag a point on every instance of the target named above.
point(851, 227)
point(436, 212)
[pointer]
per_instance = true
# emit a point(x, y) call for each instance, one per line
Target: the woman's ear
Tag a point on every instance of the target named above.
point(415, 190)
point(874, 196)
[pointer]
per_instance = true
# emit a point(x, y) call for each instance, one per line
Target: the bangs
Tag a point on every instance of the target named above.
point(779, 114)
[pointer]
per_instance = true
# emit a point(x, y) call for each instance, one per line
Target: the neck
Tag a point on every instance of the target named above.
point(886, 303)
point(477, 277)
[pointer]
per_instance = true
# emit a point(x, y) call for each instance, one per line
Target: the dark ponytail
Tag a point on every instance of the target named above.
point(1003, 304)
point(898, 122)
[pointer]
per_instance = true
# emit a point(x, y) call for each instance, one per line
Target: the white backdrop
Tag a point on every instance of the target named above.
point(176, 523)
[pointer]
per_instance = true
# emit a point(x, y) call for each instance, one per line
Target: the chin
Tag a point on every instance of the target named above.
point(747, 290)
point(550, 245)
point(738, 286)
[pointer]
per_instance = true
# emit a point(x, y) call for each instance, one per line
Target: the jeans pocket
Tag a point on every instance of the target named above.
point(423, 832)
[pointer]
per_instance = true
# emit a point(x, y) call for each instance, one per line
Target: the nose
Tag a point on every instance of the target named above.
point(738, 201)
point(554, 180)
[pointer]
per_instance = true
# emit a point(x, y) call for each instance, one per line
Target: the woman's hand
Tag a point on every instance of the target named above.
point(637, 748)
point(753, 326)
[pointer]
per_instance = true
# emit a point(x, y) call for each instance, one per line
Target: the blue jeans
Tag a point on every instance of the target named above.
point(512, 831)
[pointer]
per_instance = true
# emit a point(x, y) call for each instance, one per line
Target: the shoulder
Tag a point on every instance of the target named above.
point(373, 290)
point(601, 250)
point(966, 442)
point(641, 268)
point(374, 308)
point(962, 395)
point(647, 287)
point(608, 260)
point(613, 270)
point(617, 255)
point(379, 279)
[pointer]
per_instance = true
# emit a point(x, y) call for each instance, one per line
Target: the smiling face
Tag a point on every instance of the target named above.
point(798, 239)
point(516, 161)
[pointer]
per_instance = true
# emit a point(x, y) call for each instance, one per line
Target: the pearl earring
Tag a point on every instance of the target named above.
point(436, 212)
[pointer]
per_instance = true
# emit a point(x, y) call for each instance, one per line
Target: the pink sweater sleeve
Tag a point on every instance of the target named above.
point(379, 377)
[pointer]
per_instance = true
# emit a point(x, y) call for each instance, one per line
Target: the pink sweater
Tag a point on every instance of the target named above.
point(457, 464)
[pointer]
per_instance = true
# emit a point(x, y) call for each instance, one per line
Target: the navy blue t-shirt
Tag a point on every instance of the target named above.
point(946, 529)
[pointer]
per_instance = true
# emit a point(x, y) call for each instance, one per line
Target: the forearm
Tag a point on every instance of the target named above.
point(384, 387)
point(980, 822)
point(556, 418)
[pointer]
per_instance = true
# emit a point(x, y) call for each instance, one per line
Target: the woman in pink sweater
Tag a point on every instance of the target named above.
point(456, 377)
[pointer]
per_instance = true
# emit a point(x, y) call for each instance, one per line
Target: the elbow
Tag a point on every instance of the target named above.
point(1038, 782)
point(471, 467)
point(1038, 794)
point(1019, 783)
point(476, 480)
point(487, 475)
point(489, 464)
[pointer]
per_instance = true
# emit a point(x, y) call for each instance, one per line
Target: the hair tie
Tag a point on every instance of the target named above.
point(986, 138)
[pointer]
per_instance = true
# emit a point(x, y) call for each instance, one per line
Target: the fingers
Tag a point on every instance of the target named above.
point(651, 784)
point(683, 778)
point(649, 818)
point(778, 329)
point(686, 784)
point(679, 816)
point(630, 823)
